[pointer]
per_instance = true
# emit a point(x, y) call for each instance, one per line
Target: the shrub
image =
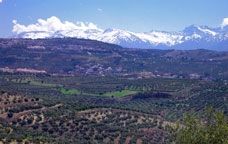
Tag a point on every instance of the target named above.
point(211, 129)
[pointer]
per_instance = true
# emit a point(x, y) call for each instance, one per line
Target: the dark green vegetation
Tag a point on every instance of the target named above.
point(71, 109)
point(81, 91)
point(211, 129)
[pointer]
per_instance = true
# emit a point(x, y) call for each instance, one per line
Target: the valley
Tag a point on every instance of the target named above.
point(83, 91)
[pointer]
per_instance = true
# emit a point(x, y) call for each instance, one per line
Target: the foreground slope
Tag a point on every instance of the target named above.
point(83, 91)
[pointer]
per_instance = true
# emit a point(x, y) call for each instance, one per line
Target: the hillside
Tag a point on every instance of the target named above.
point(85, 57)
point(84, 91)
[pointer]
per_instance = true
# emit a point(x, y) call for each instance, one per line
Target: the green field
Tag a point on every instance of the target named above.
point(121, 93)
point(69, 91)
point(34, 82)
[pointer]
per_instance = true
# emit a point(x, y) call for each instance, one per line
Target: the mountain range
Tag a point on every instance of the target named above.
point(192, 37)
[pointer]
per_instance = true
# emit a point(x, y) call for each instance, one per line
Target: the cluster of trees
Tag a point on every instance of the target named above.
point(211, 129)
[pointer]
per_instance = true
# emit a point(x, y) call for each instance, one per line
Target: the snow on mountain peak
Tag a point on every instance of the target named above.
point(53, 27)
point(200, 32)
point(208, 31)
point(158, 37)
point(117, 36)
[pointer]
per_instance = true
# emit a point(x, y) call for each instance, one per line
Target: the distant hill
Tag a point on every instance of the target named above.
point(88, 57)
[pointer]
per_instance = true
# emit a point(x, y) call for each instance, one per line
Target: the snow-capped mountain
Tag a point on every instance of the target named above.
point(192, 37)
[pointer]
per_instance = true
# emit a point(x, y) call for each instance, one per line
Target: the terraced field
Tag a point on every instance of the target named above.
point(82, 91)
point(71, 110)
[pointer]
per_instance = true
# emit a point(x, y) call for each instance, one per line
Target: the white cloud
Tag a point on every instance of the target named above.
point(0, 1)
point(100, 10)
point(51, 25)
point(225, 22)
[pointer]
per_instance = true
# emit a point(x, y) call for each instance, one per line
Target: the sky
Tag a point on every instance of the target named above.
point(132, 15)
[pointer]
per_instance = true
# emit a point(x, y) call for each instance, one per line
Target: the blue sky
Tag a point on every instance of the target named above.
point(133, 15)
